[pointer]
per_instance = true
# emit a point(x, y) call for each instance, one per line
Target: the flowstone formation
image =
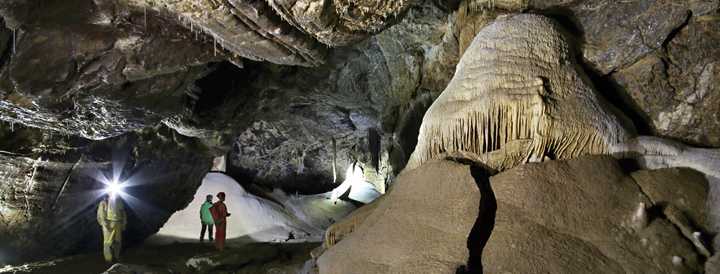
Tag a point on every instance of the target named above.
point(518, 96)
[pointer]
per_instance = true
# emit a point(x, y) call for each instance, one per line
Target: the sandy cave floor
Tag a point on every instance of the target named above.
point(265, 257)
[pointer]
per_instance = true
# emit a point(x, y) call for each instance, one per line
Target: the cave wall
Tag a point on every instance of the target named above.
point(385, 82)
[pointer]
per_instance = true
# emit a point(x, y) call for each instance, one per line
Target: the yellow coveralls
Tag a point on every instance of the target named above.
point(111, 216)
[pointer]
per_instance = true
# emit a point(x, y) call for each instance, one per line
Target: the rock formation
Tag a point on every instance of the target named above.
point(571, 216)
point(557, 216)
point(517, 96)
point(421, 226)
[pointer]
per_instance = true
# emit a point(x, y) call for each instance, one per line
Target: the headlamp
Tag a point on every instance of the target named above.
point(114, 188)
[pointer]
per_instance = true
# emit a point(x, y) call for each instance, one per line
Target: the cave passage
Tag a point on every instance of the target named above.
point(271, 216)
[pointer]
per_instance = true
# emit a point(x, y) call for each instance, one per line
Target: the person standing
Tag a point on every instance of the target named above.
point(111, 216)
point(220, 222)
point(206, 218)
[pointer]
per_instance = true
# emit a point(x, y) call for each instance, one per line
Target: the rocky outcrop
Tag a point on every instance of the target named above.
point(617, 34)
point(75, 71)
point(676, 87)
point(565, 216)
point(576, 216)
point(422, 226)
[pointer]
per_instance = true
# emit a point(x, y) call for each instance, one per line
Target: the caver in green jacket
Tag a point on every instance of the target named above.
point(205, 215)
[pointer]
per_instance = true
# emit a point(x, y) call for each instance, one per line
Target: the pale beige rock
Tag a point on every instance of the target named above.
point(569, 216)
point(517, 88)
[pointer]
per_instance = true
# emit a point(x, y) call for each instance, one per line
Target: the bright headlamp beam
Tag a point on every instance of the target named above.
point(114, 188)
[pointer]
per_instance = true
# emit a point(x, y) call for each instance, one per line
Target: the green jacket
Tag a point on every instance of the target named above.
point(205, 215)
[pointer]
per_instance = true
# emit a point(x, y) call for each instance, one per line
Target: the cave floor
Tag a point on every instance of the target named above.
point(156, 256)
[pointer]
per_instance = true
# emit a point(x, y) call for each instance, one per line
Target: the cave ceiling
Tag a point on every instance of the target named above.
point(289, 89)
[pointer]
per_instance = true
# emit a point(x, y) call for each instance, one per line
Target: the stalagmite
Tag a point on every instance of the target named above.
point(677, 260)
point(639, 219)
point(334, 163)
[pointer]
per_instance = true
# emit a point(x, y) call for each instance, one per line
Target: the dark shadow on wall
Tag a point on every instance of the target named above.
point(485, 222)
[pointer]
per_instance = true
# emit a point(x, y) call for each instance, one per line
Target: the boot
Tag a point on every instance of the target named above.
point(116, 251)
point(107, 252)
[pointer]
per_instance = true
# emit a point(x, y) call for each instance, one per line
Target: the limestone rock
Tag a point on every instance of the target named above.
point(616, 34)
point(677, 88)
point(95, 80)
point(283, 32)
point(420, 227)
point(250, 29)
point(287, 117)
point(341, 22)
point(568, 216)
point(684, 188)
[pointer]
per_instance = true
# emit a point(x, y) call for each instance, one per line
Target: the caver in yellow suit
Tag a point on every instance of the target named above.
point(112, 218)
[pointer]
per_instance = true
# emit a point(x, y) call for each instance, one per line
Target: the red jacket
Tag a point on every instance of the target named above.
point(222, 212)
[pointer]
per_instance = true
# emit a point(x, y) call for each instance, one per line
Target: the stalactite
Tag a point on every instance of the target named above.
point(145, 16)
point(334, 146)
